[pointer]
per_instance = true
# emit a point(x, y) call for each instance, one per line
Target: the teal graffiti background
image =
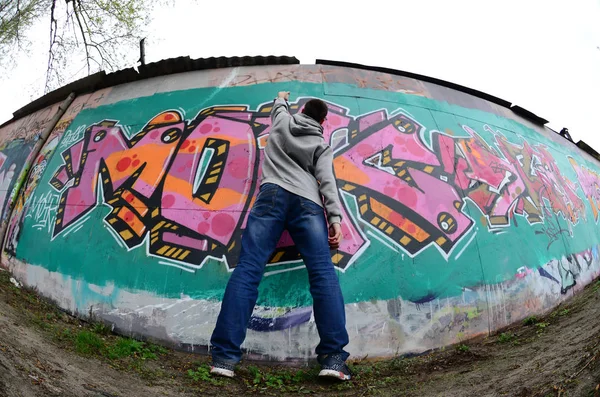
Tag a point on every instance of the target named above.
point(381, 272)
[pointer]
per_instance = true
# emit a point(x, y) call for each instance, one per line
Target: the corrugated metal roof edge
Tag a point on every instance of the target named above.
point(164, 67)
point(479, 94)
point(588, 149)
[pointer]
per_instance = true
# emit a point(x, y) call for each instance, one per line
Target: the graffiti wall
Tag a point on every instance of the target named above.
point(17, 141)
point(457, 220)
point(35, 167)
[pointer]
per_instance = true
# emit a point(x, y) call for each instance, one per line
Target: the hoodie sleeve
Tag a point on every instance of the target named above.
point(280, 109)
point(328, 186)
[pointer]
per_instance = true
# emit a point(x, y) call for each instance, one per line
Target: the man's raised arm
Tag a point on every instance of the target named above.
point(280, 106)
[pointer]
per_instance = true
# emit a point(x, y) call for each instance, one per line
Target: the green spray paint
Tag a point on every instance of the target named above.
point(90, 252)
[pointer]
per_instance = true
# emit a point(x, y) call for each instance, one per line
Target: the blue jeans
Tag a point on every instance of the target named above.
point(274, 211)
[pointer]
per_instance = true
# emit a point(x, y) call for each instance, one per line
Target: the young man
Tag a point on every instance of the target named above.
point(297, 171)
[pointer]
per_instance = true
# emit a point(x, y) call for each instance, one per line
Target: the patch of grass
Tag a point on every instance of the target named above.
point(541, 326)
point(90, 339)
point(51, 316)
point(531, 320)
point(202, 374)
point(127, 347)
point(88, 343)
point(255, 372)
point(94, 342)
point(64, 335)
point(156, 348)
point(306, 375)
point(101, 328)
point(276, 381)
point(363, 370)
point(462, 348)
point(564, 312)
point(272, 380)
point(40, 321)
point(505, 337)
point(560, 313)
point(282, 380)
point(31, 298)
point(400, 364)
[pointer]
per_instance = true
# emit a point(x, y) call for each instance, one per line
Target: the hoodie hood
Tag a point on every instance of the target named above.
point(301, 124)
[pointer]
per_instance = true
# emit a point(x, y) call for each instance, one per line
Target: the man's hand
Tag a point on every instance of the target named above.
point(284, 95)
point(335, 236)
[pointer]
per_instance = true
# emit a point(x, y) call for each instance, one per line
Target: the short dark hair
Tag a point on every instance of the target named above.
point(315, 109)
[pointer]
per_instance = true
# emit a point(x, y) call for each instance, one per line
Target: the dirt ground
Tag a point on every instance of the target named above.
point(44, 352)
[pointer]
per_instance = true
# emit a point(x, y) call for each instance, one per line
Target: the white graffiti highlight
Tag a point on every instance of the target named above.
point(71, 137)
point(43, 211)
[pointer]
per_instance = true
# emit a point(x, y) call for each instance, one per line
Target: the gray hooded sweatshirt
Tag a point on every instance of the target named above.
point(297, 156)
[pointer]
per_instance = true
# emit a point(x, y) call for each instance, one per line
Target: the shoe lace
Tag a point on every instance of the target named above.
point(223, 365)
point(338, 362)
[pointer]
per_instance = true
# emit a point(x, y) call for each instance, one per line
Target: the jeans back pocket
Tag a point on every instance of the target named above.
point(265, 201)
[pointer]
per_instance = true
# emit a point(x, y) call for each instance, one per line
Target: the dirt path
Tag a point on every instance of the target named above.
point(31, 364)
point(554, 355)
point(44, 352)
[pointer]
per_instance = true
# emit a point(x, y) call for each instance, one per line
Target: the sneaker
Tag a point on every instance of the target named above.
point(222, 369)
point(333, 366)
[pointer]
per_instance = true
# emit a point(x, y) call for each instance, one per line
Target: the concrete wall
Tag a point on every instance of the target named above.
point(459, 217)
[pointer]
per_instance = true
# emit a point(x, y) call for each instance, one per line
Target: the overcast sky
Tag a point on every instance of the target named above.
point(541, 55)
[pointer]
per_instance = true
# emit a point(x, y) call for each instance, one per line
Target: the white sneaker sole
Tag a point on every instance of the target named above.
point(330, 373)
point(222, 372)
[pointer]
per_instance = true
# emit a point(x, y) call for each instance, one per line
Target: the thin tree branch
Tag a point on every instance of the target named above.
point(72, 21)
point(53, 29)
point(124, 36)
point(18, 22)
point(108, 10)
point(107, 27)
point(101, 52)
point(85, 43)
point(89, 18)
point(84, 18)
point(4, 5)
